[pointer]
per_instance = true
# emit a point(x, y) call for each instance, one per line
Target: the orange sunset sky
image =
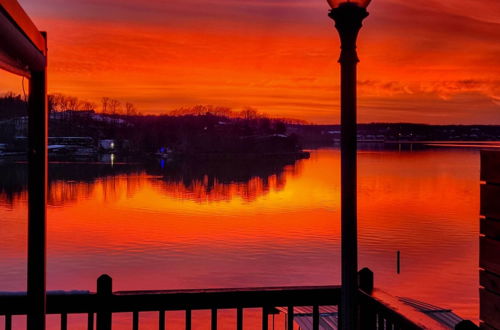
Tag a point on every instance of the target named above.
point(425, 61)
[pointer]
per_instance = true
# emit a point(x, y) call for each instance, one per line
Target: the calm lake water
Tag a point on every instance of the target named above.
point(244, 224)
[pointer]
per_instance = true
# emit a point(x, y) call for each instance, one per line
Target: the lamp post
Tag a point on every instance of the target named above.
point(348, 16)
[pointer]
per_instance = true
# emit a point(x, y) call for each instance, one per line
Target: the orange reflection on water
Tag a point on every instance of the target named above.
point(197, 212)
point(206, 191)
point(277, 226)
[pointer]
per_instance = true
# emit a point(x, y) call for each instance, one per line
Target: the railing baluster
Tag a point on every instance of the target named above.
point(214, 318)
point(90, 321)
point(339, 316)
point(380, 322)
point(239, 318)
point(8, 322)
point(290, 318)
point(161, 325)
point(135, 320)
point(64, 321)
point(188, 319)
point(316, 317)
point(265, 318)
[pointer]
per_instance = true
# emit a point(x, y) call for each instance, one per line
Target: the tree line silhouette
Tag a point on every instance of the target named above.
point(189, 130)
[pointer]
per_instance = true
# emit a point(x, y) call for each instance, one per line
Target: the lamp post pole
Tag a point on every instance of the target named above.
point(348, 19)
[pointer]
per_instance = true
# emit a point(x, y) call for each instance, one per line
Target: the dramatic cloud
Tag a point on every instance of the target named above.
point(422, 60)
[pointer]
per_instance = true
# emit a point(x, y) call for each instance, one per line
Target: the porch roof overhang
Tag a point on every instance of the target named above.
point(22, 47)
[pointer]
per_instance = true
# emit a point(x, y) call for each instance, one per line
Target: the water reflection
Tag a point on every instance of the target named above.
point(224, 180)
point(212, 225)
point(13, 181)
point(67, 181)
point(204, 181)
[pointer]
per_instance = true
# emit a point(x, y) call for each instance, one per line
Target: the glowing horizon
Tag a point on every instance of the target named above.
point(421, 61)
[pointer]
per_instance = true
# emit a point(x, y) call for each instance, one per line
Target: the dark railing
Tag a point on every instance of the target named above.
point(101, 305)
point(104, 303)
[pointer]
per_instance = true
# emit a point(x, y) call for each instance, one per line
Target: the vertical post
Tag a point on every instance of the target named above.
point(37, 198)
point(214, 319)
point(161, 320)
point(366, 280)
point(290, 318)
point(239, 318)
point(8, 322)
point(316, 317)
point(188, 319)
point(64, 321)
point(90, 321)
point(348, 19)
point(349, 230)
point(398, 262)
point(265, 318)
point(104, 293)
point(135, 320)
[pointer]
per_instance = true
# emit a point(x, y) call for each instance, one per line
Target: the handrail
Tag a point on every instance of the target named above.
point(376, 310)
point(129, 301)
